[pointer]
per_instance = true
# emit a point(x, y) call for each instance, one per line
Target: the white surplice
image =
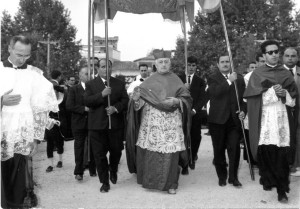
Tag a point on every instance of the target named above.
point(274, 119)
point(23, 123)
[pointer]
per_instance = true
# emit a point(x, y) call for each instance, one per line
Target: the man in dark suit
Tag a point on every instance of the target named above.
point(103, 139)
point(196, 85)
point(224, 124)
point(75, 105)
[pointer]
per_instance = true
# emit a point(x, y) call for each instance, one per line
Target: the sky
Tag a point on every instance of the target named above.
point(138, 34)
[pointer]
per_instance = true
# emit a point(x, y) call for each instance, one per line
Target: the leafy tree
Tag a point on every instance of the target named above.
point(39, 19)
point(7, 28)
point(246, 22)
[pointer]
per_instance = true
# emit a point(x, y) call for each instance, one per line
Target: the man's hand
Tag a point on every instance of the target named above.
point(232, 77)
point(171, 101)
point(193, 112)
point(10, 100)
point(110, 110)
point(187, 85)
point(241, 115)
point(34, 148)
point(106, 91)
point(86, 109)
point(280, 92)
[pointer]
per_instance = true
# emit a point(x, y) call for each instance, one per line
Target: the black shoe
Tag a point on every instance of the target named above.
point(185, 171)
point(222, 182)
point(235, 183)
point(105, 188)
point(282, 197)
point(267, 188)
point(196, 158)
point(59, 164)
point(113, 177)
point(49, 169)
point(192, 165)
point(79, 177)
point(93, 174)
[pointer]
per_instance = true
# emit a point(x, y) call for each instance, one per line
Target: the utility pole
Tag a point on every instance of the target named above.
point(48, 42)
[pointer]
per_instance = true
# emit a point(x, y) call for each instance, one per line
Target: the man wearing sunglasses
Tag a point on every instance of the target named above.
point(271, 94)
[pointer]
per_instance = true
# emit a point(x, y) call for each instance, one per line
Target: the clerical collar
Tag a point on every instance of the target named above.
point(271, 66)
point(24, 66)
point(55, 81)
point(142, 79)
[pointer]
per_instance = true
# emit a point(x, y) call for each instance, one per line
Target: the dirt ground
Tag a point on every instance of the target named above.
point(199, 189)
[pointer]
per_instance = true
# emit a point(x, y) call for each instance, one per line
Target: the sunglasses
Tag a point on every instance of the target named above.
point(271, 52)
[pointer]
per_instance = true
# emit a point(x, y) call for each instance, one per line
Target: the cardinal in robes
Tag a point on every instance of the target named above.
point(158, 124)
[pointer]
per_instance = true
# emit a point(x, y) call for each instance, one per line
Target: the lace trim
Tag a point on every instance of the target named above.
point(161, 131)
point(274, 121)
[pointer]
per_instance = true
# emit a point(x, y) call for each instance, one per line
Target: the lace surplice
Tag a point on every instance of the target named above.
point(274, 120)
point(22, 123)
point(161, 131)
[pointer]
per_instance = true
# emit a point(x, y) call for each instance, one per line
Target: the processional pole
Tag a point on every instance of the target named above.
point(235, 87)
point(107, 57)
point(185, 43)
point(93, 38)
point(89, 40)
point(89, 68)
point(185, 61)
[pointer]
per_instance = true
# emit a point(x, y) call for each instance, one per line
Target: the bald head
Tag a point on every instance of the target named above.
point(290, 57)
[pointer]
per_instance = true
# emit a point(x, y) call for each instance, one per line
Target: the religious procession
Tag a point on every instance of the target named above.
point(149, 127)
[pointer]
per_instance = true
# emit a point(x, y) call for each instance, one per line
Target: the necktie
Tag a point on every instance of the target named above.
point(105, 83)
point(189, 79)
point(226, 76)
point(291, 70)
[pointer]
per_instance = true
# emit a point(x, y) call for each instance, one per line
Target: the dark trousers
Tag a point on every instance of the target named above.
point(195, 135)
point(103, 141)
point(79, 145)
point(226, 136)
point(13, 181)
point(53, 136)
point(252, 161)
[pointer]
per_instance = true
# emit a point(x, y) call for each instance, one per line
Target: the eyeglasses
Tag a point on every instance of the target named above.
point(271, 52)
point(21, 56)
point(193, 65)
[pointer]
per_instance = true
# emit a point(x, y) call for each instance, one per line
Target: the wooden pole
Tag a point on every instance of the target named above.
point(89, 69)
point(185, 44)
point(235, 87)
point(107, 58)
point(93, 38)
point(48, 54)
point(89, 40)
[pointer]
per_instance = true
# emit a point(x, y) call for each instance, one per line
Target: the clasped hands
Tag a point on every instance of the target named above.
point(171, 102)
point(280, 92)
